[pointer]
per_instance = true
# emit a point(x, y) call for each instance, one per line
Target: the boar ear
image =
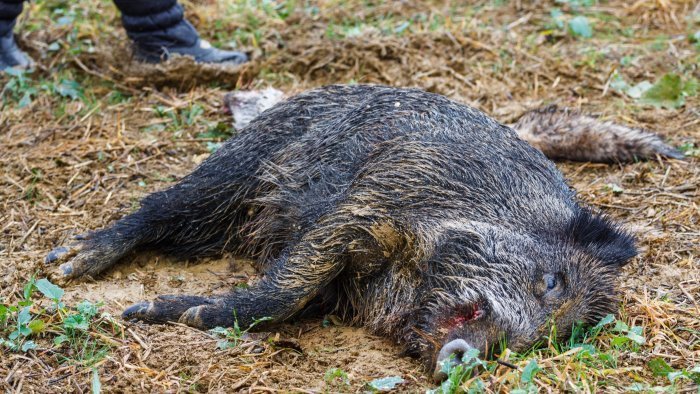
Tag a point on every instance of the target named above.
point(602, 238)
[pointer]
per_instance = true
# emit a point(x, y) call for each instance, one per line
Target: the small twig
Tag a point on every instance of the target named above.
point(690, 297)
point(27, 234)
point(263, 388)
point(138, 339)
point(563, 355)
point(192, 329)
point(507, 364)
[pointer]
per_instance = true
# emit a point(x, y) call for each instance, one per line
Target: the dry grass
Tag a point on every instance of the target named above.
point(70, 165)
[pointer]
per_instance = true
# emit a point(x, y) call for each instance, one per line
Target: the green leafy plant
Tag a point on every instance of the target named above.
point(558, 19)
point(577, 26)
point(690, 149)
point(670, 91)
point(19, 88)
point(659, 367)
point(614, 189)
point(627, 336)
point(17, 321)
point(232, 336)
point(527, 378)
point(220, 130)
point(191, 114)
point(456, 372)
point(695, 39)
point(577, 3)
point(580, 27)
point(385, 384)
point(22, 89)
point(336, 375)
point(178, 119)
point(66, 88)
point(51, 291)
point(75, 330)
point(213, 146)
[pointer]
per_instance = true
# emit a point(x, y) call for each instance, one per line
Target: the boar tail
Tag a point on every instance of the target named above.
point(562, 133)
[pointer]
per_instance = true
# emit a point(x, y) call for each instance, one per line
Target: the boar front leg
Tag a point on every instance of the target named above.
point(288, 284)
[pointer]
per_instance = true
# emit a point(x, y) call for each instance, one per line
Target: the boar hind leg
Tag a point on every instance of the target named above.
point(289, 283)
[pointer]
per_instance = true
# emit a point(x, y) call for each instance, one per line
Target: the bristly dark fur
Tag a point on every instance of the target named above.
point(408, 213)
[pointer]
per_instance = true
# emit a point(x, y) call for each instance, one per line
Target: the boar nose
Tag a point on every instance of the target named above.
point(454, 349)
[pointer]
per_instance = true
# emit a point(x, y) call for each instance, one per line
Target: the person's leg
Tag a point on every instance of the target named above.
point(158, 29)
point(10, 54)
point(9, 11)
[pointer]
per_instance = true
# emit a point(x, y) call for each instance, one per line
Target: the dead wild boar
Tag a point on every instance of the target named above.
point(415, 216)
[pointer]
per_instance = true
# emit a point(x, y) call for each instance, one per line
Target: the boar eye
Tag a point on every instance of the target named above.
point(550, 282)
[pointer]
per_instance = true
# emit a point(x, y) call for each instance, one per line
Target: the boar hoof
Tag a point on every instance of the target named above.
point(55, 254)
point(192, 317)
point(60, 253)
point(165, 308)
point(78, 262)
point(63, 253)
point(85, 258)
point(69, 255)
point(137, 311)
point(216, 314)
point(82, 237)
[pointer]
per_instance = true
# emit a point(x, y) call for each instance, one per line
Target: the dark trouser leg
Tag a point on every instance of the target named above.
point(9, 11)
point(158, 28)
point(156, 23)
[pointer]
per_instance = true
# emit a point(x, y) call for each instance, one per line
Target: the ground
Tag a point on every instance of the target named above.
point(89, 133)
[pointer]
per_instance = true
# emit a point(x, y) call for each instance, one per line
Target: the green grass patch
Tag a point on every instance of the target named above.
point(589, 352)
